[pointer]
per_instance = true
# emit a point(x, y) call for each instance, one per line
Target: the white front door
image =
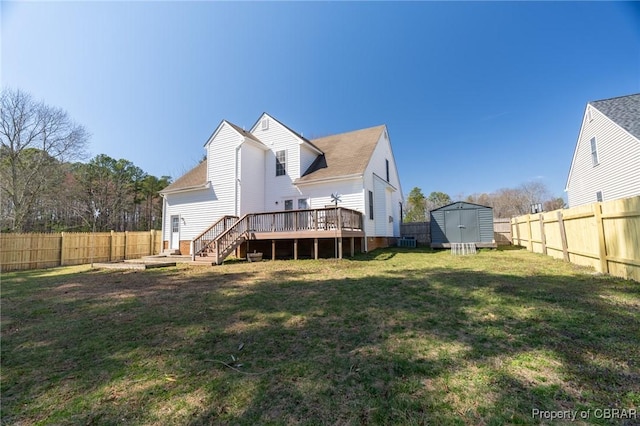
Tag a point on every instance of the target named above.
point(175, 233)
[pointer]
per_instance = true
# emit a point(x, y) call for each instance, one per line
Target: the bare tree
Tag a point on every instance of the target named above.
point(36, 139)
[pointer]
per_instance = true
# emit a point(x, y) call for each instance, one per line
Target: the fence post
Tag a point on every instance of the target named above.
point(563, 237)
point(151, 245)
point(111, 256)
point(602, 244)
point(62, 249)
point(125, 245)
point(543, 237)
point(530, 240)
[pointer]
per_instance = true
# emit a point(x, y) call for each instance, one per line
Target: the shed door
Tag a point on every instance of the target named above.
point(469, 229)
point(461, 226)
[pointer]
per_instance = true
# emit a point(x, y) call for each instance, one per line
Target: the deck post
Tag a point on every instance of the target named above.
point(339, 247)
point(353, 247)
point(273, 249)
point(315, 248)
point(295, 249)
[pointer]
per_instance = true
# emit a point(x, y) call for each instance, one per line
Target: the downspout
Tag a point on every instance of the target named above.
point(237, 178)
point(164, 218)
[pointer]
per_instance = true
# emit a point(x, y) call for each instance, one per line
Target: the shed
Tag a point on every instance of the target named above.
point(462, 222)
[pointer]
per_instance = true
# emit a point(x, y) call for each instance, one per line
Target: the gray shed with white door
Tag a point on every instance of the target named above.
point(462, 222)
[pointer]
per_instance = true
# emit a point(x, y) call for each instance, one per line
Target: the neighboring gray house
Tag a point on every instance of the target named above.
point(606, 161)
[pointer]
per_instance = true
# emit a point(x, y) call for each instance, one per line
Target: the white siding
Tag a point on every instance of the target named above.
point(351, 195)
point(380, 216)
point(194, 207)
point(307, 157)
point(221, 172)
point(279, 188)
point(252, 162)
point(617, 174)
point(387, 202)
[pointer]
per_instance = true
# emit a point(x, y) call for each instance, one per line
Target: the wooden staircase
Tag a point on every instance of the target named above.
point(203, 246)
point(220, 240)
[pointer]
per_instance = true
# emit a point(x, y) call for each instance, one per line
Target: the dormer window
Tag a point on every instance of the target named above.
point(265, 124)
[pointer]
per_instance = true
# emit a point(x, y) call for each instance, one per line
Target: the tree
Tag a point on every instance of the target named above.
point(554, 204)
point(36, 139)
point(437, 199)
point(416, 208)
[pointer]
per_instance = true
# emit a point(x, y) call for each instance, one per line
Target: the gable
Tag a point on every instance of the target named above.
point(624, 111)
point(266, 121)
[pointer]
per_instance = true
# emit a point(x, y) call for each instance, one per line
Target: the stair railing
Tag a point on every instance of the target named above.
point(205, 241)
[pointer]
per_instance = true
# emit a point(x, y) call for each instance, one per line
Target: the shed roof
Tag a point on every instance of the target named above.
point(344, 154)
point(623, 110)
point(461, 205)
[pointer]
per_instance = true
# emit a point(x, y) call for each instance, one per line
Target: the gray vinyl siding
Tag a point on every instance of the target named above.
point(617, 174)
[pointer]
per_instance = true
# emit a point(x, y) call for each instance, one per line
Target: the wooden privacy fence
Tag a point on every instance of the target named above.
point(422, 233)
point(502, 231)
point(33, 251)
point(604, 235)
point(417, 230)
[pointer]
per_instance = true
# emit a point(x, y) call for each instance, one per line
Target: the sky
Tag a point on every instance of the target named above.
point(477, 96)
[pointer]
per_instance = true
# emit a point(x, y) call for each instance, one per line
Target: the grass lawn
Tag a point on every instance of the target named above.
point(391, 337)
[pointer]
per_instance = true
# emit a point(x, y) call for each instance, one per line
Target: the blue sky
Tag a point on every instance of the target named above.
point(477, 96)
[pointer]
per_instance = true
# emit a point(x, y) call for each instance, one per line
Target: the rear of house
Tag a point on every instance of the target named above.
point(271, 168)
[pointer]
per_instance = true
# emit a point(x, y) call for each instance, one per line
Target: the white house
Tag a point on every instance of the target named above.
point(272, 169)
point(606, 161)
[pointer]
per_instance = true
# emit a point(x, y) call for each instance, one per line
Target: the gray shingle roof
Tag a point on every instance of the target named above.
point(344, 154)
point(243, 132)
point(194, 177)
point(623, 110)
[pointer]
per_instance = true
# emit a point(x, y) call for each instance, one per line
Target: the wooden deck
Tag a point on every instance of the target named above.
point(296, 225)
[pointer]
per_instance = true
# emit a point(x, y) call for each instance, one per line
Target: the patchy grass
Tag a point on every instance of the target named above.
point(393, 337)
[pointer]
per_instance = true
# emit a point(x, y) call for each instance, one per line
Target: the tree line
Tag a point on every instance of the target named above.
point(44, 187)
point(506, 202)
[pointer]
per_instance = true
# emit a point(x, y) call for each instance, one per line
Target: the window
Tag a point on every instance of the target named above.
point(281, 163)
point(371, 205)
point(387, 167)
point(303, 204)
point(599, 196)
point(175, 224)
point(288, 204)
point(265, 124)
point(594, 151)
point(589, 115)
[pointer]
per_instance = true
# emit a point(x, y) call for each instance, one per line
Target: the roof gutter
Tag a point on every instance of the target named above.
point(327, 179)
point(187, 189)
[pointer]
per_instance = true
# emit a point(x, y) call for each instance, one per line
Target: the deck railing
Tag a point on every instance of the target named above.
point(205, 241)
point(329, 218)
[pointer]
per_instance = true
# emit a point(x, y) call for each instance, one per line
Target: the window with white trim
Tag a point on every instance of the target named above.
point(599, 196)
point(594, 151)
point(371, 205)
point(281, 163)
